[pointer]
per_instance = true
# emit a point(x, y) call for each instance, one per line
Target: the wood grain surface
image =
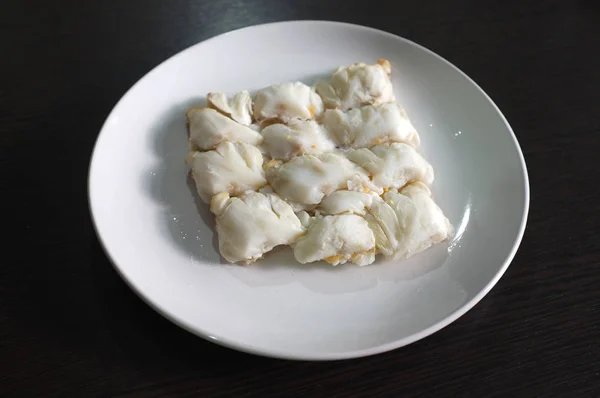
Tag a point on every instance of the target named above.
point(70, 327)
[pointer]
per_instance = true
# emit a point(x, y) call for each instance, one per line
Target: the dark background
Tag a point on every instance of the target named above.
point(70, 327)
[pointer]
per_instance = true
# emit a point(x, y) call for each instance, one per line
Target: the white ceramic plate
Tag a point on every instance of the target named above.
point(162, 244)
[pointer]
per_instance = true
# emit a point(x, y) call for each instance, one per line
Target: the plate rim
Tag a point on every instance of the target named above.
point(327, 356)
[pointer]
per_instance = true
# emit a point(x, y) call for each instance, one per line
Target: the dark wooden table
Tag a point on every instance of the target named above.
point(70, 327)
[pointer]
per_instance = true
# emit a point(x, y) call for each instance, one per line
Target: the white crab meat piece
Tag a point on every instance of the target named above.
point(352, 202)
point(208, 128)
point(370, 125)
point(238, 107)
point(306, 179)
point(305, 219)
point(298, 137)
point(253, 224)
point(287, 101)
point(232, 167)
point(393, 165)
point(297, 207)
point(337, 240)
point(357, 85)
point(407, 222)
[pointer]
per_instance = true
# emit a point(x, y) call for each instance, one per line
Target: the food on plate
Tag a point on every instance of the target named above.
point(408, 221)
point(232, 168)
point(287, 101)
point(370, 125)
point(393, 165)
point(238, 107)
point(337, 240)
point(357, 85)
point(351, 202)
point(208, 128)
point(332, 171)
point(297, 138)
point(307, 179)
point(305, 218)
point(253, 224)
